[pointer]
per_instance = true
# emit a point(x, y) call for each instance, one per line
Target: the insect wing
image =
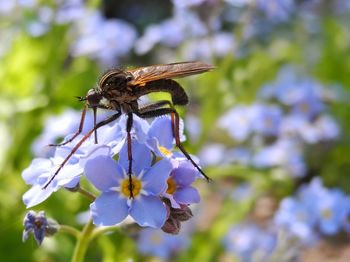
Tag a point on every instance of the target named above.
point(142, 75)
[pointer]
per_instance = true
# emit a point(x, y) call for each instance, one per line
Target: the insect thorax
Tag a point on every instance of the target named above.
point(114, 79)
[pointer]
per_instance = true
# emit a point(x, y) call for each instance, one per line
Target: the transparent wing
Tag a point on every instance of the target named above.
point(142, 75)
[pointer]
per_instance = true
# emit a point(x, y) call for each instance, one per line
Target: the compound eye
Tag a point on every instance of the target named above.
point(129, 77)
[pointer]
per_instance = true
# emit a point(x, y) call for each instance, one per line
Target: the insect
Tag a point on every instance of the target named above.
point(119, 90)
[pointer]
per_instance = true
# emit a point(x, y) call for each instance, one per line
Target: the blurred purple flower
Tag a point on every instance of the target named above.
point(160, 244)
point(115, 202)
point(180, 191)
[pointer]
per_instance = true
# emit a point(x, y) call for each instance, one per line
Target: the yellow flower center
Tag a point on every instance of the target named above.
point(326, 213)
point(165, 151)
point(171, 186)
point(156, 239)
point(133, 187)
point(305, 108)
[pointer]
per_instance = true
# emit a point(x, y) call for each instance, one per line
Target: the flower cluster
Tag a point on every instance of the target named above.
point(157, 243)
point(290, 115)
point(313, 211)
point(249, 240)
point(157, 192)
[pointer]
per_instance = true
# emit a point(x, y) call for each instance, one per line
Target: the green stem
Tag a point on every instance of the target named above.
point(83, 242)
point(86, 193)
point(70, 230)
point(102, 230)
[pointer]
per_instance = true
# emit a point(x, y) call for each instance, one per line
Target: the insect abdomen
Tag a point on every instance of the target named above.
point(178, 94)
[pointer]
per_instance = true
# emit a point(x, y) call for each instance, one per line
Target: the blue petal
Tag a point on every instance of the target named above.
point(36, 168)
point(36, 195)
point(139, 129)
point(103, 172)
point(109, 209)
point(148, 211)
point(184, 175)
point(155, 179)
point(141, 157)
point(162, 131)
point(152, 143)
point(187, 195)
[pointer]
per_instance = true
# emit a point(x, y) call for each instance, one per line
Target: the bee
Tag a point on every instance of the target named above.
point(119, 90)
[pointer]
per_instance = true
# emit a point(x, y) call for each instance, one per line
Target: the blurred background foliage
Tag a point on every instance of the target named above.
point(52, 51)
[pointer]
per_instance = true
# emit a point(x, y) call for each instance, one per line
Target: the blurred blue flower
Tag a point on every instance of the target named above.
point(57, 127)
point(323, 128)
point(102, 39)
point(266, 119)
point(240, 155)
point(305, 95)
point(243, 192)
point(330, 206)
point(180, 191)
point(116, 202)
point(171, 32)
point(276, 10)
point(216, 45)
point(42, 22)
point(297, 219)
point(187, 3)
point(238, 122)
point(246, 240)
point(212, 154)
point(69, 11)
point(283, 153)
point(160, 244)
point(314, 209)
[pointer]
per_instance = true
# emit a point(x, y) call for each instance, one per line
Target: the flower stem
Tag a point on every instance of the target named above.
point(102, 230)
point(69, 230)
point(83, 242)
point(86, 193)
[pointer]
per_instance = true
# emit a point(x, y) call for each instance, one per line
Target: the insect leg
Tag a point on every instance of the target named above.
point(80, 129)
point(155, 105)
point(95, 133)
point(175, 124)
point(76, 147)
point(129, 123)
